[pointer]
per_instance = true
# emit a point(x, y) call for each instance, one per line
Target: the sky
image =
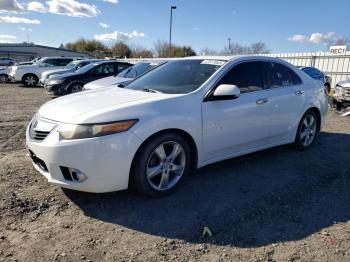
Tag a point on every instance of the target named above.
point(285, 26)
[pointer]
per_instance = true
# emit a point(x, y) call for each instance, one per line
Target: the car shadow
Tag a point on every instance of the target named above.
point(275, 195)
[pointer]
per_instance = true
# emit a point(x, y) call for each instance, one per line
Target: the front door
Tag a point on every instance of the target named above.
point(240, 124)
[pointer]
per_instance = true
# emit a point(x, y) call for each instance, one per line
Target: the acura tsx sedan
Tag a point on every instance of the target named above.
point(182, 115)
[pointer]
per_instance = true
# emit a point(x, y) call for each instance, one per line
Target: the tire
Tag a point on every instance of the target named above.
point(30, 80)
point(154, 172)
point(75, 87)
point(4, 79)
point(308, 131)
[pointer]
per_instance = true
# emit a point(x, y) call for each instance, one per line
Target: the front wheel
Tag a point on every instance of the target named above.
point(161, 164)
point(75, 87)
point(307, 131)
point(30, 80)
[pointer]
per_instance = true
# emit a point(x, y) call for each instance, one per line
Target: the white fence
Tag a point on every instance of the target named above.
point(335, 66)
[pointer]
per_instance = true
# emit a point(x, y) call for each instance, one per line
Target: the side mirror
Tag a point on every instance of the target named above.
point(225, 92)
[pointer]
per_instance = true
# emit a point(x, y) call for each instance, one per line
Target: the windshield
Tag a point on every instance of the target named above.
point(136, 70)
point(177, 77)
point(86, 68)
point(71, 65)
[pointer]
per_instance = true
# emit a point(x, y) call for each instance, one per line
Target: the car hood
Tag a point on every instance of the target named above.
point(57, 71)
point(345, 83)
point(107, 81)
point(63, 75)
point(78, 108)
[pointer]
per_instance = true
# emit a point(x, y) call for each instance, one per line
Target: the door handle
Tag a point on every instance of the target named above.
point(262, 101)
point(300, 93)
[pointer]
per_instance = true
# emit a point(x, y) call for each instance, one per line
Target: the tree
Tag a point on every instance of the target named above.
point(341, 41)
point(121, 50)
point(259, 48)
point(208, 51)
point(162, 49)
point(86, 46)
point(141, 52)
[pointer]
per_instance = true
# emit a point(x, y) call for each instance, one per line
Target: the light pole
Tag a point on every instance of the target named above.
point(171, 25)
point(229, 44)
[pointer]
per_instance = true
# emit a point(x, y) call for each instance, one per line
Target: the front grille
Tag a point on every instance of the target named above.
point(38, 135)
point(39, 129)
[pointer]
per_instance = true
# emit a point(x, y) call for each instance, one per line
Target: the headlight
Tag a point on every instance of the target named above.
point(338, 91)
point(56, 82)
point(70, 131)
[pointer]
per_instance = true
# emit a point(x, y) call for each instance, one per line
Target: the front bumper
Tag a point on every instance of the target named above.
point(54, 90)
point(105, 161)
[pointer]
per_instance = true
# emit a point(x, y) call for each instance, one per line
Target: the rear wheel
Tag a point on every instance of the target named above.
point(161, 165)
point(307, 131)
point(30, 80)
point(4, 79)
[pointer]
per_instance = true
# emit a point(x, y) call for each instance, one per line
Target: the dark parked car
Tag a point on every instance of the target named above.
point(71, 67)
point(74, 81)
point(318, 75)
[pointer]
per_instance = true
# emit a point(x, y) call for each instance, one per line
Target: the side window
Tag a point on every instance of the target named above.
point(247, 76)
point(120, 67)
point(82, 64)
point(63, 62)
point(49, 62)
point(278, 75)
point(103, 69)
point(296, 78)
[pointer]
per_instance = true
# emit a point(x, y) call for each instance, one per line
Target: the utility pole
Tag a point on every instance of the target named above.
point(229, 43)
point(171, 25)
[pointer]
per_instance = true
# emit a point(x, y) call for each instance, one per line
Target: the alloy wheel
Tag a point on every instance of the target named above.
point(308, 130)
point(166, 166)
point(30, 80)
point(76, 88)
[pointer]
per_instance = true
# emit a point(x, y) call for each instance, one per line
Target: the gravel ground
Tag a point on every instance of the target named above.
point(275, 205)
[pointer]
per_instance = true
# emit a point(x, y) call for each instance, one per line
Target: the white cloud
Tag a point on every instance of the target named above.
point(298, 38)
point(11, 6)
point(316, 38)
point(37, 7)
point(111, 1)
point(103, 25)
point(18, 20)
point(72, 8)
point(7, 38)
point(118, 36)
point(25, 29)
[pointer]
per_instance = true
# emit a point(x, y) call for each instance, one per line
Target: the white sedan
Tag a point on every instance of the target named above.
point(180, 116)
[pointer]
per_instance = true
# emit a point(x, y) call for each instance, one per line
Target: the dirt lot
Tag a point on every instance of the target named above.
point(275, 205)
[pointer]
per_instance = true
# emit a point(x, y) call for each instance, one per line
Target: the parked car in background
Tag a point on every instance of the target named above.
point(29, 75)
point(4, 61)
point(4, 75)
point(71, 67)
point(318, 75)
point(29, 62)
point(74, 81)
point(341, 95)
point(124, 77)
point(185, 114)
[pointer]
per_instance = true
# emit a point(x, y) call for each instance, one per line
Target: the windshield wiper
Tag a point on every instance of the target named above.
point(150, 90)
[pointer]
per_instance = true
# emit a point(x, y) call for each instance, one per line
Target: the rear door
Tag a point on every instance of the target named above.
point(287, 98)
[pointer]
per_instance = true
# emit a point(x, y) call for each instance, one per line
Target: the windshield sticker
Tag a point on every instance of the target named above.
point(213, 62)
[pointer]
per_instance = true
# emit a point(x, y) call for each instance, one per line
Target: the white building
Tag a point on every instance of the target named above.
point(26, 52)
